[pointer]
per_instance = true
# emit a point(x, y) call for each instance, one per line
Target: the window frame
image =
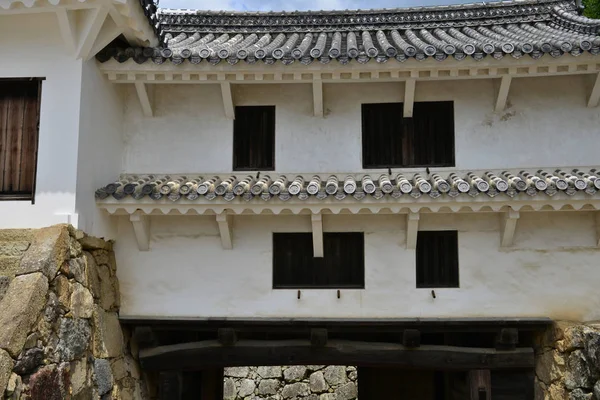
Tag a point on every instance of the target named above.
point(455, 280)
point(403, 122)
point(234, 158)
point(22, 196)
point(362, 268)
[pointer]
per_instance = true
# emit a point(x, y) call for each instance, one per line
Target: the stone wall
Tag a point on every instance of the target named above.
point(310, 382)
point(568, 363)
point(60, 336)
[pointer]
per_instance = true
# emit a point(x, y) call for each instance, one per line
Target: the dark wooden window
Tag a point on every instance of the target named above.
point(437, 259)
point(425, 140)
point(19, 116)
point(254, 138)
point(342, 264)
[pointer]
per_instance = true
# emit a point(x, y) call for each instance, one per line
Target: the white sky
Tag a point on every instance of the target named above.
point(290, 5)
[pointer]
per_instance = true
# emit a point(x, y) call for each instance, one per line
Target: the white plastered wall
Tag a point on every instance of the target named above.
point(31, 46)
point(546, 124)
point(547, 273)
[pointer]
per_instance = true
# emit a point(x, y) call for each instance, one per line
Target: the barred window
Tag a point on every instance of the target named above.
point(254, 138)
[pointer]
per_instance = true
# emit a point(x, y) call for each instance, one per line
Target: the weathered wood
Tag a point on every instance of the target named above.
point(169, 385)
point(480, 384)
point(211, 353)
point(227, 336)
point(318, 337)
point(507, 339)
point(411, 338)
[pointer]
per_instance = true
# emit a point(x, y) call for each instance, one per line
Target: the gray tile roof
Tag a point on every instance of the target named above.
point(302, 187)
point(515, 28)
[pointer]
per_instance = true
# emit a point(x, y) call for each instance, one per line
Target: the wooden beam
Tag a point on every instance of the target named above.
point(227, 100)
point(594, 98)
point(318, 97)
point(225, 229)
point(508, 227)
point(409, 97)
point(502, 95)
point(90, 30)
point(67, 22)
point(141, 228)
point(110, 31)
point(318, 337)
point(411, 338)
point(145, 337)
point(507, 339)
point(146, 97)
point(412, 228)
point(480, 384)
point(211, 353)
point(317, 234)
point(169, 385)
point(227, 336)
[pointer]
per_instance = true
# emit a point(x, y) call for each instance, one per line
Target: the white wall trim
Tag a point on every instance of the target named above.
point(225, 223)
point(502, 95)
point(412, 229)
point(141, 228)
point(145, 95)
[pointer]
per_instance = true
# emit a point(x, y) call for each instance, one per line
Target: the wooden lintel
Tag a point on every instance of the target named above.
point(141, 229)
point(480, 384)
point(507, 339)
point(90, 30)
point(225, 229)
point(409, 97)
point(412, 228)
point(145, 337)
point(502, 95)
point(211, 354)
point(317, 234)
point(318, 97)
point(318, 337)
point(227, 100)
point(67, 24)
point(508, 227)
point(594, 98)
point(169, 385)
point(146, 97)
point(411, 338)
point(227, 336)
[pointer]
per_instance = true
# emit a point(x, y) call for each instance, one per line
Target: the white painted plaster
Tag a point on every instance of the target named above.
point(31, 46)
point(546, 123)
point(186, 273)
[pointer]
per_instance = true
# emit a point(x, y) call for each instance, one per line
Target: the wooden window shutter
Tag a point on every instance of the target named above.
point(437, 259)
point(19, 119)
point(254, 138)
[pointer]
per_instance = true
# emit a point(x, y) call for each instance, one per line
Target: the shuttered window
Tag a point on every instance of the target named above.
point(437, 259)
point(342, 264)
point(19, 116)
point(425, 140)
point(254, 138)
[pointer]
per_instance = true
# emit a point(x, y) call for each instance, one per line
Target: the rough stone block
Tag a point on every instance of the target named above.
point(579, 394)
point(317, 382)
point(328, 396)
point(268, 386)
point(75, 268)
point(48, 251)
point(29, 361)
point(4, 282)
point(75, 248)
point(11, 235)
point(550, 366)
point(49, 383)
point(79, 375)
point(335, 375)
point(82, 302)
point(229, 389)
point(579, 374)
point(63, 289)
point(103, 376)
point(91, 275)
point(294, 373)
point(237, 372)
point(13, 249)
point(6, 366)
point(269, 372)
point(108, 336)
point(108, 291)
point(19, 310)
point(74, 337)
point(347, 391)
point(247, 387)
point(295, 390)
point(14, 387)
point(9, 266)
point(93, 243)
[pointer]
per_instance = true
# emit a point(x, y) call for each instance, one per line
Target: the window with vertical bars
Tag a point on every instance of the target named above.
point(425, 140)
point(342, 264)
point(437, 259)
point(19, 116)
point(254, 138)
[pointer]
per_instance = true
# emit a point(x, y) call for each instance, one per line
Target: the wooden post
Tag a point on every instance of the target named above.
point(169, 385)
point(212, 384)
point(480, 384)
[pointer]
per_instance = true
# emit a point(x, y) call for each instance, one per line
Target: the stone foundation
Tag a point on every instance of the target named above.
point(568, 363)
point(310, 382)
point(60, 336)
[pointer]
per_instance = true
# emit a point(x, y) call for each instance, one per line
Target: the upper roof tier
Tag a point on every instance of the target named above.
point(479, 29)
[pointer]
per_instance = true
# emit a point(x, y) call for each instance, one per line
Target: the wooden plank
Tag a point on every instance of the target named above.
point(480, 384)
point(4, 108)
point(594, 98)
point(409, 97)
point(30, 140)
point(503, 93)
point(211, 353)
point(14, 137)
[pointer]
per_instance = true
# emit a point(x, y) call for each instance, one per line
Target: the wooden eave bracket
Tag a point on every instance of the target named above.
point(508, 227)
point(502, 95)
point(141, 229)
point(412, 228)
point(227, 100)
point(318, 97)
point(409, 97)
point(146, 96)
point(317, 234)
point(225, 222)
point(594, 98)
